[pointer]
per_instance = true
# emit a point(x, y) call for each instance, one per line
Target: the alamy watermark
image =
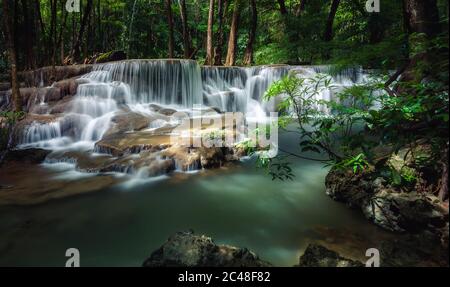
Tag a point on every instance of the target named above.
point(73, 6)
point(74, 257)
point(225, 130)
point(373, 6)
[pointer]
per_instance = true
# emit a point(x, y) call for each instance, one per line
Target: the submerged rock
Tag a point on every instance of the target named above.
point(318, 256)
point(184, 249)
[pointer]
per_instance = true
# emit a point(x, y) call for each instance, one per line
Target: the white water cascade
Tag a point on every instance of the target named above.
point(178, 84)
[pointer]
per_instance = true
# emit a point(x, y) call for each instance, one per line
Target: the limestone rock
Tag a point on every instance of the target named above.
point(319, 256)
point(184, 249)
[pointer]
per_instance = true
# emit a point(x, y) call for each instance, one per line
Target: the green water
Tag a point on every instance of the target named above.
point(237, 205)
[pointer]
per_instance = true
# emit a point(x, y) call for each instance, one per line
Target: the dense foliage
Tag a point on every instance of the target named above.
point(290, 31)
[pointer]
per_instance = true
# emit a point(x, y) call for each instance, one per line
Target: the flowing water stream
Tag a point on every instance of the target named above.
point(127, 219)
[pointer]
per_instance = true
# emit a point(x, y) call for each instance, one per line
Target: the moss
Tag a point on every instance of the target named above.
point(104, 57)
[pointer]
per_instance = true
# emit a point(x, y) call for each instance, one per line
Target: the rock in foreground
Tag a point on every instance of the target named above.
point(318, 256)
point(184, 249)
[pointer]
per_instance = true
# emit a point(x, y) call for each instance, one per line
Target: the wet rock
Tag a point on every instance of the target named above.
point(62, 106)
point(21, 126)
point(32, 156)
point(69, 86)
point(319, 256)
point(167, 111)
point(184, 249)
point(383, 204)
point(402, 211)
point(83, 161)
point(414, 250)
point(155, 107)
point(120, 144)
point(129, 121)
point(147, 164)
point(48, 75)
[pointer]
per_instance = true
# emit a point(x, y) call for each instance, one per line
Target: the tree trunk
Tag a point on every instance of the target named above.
point(9, 37)
point(61, 33)
point(443, 191)
point(41, 35)
point(232, 40)
point(209, 37)
point(248, 57)
point(186, 36)
point(328, 35)
point(283, 9)
point(218, 48)
point(422, 17)
point(29, 40)
point(52, 43)
point(300, 8)
point(171, 31)
point(76, 52)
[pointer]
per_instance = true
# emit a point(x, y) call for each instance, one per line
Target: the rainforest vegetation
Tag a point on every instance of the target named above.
point(385, 140)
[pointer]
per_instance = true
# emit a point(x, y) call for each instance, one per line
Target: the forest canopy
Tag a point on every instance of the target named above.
point(231, 32)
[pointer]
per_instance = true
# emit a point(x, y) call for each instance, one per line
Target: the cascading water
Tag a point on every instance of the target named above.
point(134, 85)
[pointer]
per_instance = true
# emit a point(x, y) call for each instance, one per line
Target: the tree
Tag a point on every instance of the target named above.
point(8, 15)
point(186, 36)
point(232, 40)
point(219, 36)
point(171, 29)
point(283, 9)
point(328, 34)
point(422, 17)
point(248, 56)
point(209, 38)
point(76, 50)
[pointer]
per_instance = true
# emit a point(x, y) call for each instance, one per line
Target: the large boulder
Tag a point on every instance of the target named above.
point(318, 256)
point(185, 249)
point(385, 205)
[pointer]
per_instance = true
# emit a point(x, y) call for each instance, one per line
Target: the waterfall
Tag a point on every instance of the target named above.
point(167, 82)
point(133, 85)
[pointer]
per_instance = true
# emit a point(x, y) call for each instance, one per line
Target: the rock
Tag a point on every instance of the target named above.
point(147, 164)
point(32, 155)
point(184, 249)
point(48, 75)
point(109, 57)
point(69, 86)
point(83, 161)
point(22, 125)
point(344, 186)
point(416, 250)
point(129, 122)
point(167, 111)
point(402, 211)
point(61, 106)
point(319, 256)
point(118, 144)
point(384, 205)
point(155, 107)
point(33, 98)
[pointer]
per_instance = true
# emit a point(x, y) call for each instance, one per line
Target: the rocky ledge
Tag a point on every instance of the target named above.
point(185, 249)
point(413, 209)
